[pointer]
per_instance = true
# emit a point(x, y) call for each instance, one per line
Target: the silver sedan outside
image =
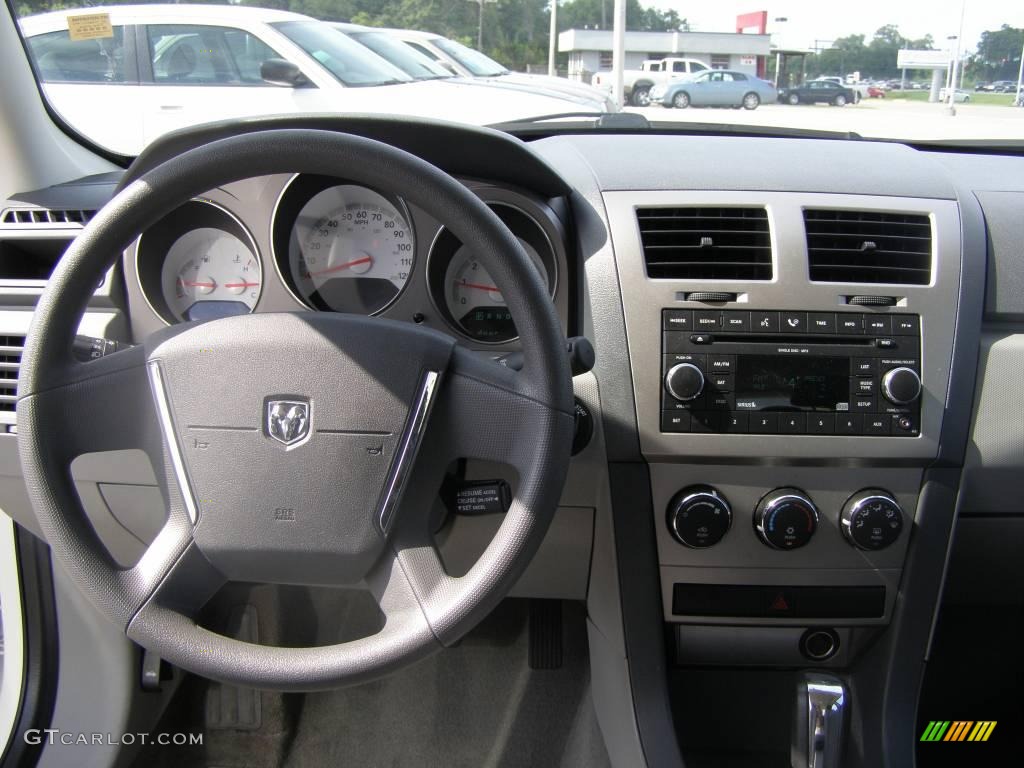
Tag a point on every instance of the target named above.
point(715, 88)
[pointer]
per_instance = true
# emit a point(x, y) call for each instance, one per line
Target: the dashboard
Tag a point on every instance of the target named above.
point(804, 380)
point(306, 242)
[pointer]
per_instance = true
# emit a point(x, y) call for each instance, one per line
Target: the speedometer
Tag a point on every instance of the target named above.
point(351, 250)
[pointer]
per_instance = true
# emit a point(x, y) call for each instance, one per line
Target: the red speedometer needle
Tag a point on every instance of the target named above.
point(339, 267)
point(489, 288)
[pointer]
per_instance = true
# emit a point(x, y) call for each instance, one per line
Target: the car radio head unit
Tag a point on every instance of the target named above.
point(782, 372)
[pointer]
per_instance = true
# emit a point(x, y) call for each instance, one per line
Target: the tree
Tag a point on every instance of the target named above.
point(998, 55)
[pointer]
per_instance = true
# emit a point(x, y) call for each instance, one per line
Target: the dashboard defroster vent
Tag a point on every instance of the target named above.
point(10, 363)
point(41, 216)
point(868, 247)
point(706, 243)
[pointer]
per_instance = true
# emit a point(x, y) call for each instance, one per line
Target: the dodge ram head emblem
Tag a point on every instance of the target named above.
point(288, 421)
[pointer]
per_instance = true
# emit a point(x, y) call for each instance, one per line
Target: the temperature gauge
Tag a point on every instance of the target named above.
point(210, 273)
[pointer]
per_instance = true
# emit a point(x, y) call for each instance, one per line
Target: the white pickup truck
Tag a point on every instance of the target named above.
point(637, 83)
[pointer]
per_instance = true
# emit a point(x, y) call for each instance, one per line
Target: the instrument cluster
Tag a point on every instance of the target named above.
point(335, 246)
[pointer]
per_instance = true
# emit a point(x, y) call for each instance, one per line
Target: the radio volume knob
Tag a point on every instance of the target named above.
point(684, 381)
point(901, 386)
point(785, 519)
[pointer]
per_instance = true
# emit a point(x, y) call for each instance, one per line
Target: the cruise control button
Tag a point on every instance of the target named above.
point(794, 322)
point(822, 322)
point(850, 323)
point(821, 423)
point(677, 319)
point(906, 325)
point(764, 423)
point(675, 421)
point(764, 322)
point(880, 325)
point(704, 320)
point(792, 423)
point(736, 321)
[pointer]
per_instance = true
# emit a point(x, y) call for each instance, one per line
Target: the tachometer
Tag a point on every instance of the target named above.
point(210, 273)
point(351, 250)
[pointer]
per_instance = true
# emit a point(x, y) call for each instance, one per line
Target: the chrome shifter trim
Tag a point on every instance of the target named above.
point(820, 714)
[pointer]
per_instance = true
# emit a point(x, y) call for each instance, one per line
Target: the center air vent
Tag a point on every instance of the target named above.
point(869, 247)
point(706, 243)
point(10, 363)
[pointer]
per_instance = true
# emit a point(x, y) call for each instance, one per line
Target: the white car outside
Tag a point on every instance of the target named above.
point(468, 62)
point(206, 63)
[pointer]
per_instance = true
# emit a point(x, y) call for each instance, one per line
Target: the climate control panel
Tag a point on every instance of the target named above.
point(786, 518)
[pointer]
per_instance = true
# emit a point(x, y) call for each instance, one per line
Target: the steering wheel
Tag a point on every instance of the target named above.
point(295, 448)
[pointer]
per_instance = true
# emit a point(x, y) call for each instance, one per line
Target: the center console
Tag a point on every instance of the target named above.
point(787, 416)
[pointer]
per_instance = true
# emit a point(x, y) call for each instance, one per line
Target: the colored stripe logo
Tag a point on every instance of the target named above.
point(958, 730)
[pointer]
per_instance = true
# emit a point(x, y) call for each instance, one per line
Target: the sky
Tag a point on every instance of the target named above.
point(829, 19)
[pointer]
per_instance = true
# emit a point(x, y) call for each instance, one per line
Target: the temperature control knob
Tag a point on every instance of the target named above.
point(699, 516)
point(785, 519)
point(684, 381)
point(871, 519)
point(901, 386)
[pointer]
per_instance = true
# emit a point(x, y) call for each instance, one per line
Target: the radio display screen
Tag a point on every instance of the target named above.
point(784, 383)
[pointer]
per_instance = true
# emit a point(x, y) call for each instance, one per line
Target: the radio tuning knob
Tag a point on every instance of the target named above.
point(901, 385)
point(871, 519)
point(684, 381)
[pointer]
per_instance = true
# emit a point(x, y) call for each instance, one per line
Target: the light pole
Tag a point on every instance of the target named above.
point(1020, 79)
point(956, 60)
point(480, 22)
point(552, 45)
point(778, 52)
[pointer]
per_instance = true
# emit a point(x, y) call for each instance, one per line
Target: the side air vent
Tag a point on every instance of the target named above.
point(10, 364)
point(37, 216)
point(868, 247)
point(706, 243)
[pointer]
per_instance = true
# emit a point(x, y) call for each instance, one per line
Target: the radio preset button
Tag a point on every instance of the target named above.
point(821, 423)
point(906, 325)
point(735, 422)
point(707, 320)
point(736, 321)
point(792, 423)
point(849, 423)
point(764, 423)
point(878, 324)
point(850, 323)
point(794, 322)
point(822, 322)
point(677, 319)
point(764, 322)
point(705, 421)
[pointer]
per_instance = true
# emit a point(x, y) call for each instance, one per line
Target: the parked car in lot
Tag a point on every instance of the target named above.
point(462, 60)
point(876, 92)
point(960, 96)
point(199, 64)
point(860, 89)
point(818, 92)
point(637, 83)
point(1004, 86)
point(715, 88)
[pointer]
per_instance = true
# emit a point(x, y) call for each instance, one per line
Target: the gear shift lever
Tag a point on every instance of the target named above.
point(818, 726)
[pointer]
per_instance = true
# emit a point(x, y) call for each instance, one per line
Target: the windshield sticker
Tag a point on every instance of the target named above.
point(90, 26)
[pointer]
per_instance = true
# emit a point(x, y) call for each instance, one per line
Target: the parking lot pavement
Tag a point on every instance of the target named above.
point(890, 118)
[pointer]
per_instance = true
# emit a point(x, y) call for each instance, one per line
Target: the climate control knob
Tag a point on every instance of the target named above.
point(871, 519)
point(684, 381)
point(785, 519)
point(901, 386)
point(699, 516)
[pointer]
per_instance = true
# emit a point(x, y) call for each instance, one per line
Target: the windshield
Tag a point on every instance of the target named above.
point(410, 61)
point(345, 59)
point(124, 74)
point(477, 63)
